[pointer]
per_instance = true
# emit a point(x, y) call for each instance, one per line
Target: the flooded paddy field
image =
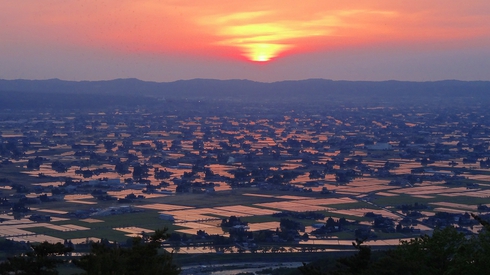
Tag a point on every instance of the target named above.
point(283, 179)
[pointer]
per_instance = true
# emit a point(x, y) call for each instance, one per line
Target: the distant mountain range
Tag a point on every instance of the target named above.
point(211, 87)
point(32, 92)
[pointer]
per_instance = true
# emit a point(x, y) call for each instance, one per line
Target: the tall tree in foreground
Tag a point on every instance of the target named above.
point(447, 251)
point(143, 257)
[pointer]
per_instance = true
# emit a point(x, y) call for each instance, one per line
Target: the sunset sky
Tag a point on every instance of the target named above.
point(266, 40)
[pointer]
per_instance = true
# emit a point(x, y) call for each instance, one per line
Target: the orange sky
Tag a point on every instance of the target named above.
point(257, 31)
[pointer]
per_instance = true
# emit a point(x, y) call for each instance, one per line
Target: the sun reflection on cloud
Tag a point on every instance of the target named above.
point(258, 42)
point(260, 36)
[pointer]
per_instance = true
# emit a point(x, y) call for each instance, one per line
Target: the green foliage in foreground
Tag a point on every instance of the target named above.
point(43, 259)
point(447, 251)
point(142, 257)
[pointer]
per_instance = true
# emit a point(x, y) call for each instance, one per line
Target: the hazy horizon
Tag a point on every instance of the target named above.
point(241, 79)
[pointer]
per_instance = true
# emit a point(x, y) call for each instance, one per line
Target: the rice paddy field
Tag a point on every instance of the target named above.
point(78, 178)
point(257, 207)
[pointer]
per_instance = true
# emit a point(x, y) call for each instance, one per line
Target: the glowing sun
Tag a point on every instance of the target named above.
point(262, 52)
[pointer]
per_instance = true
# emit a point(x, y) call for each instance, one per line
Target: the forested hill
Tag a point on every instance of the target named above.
point(134, 91)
